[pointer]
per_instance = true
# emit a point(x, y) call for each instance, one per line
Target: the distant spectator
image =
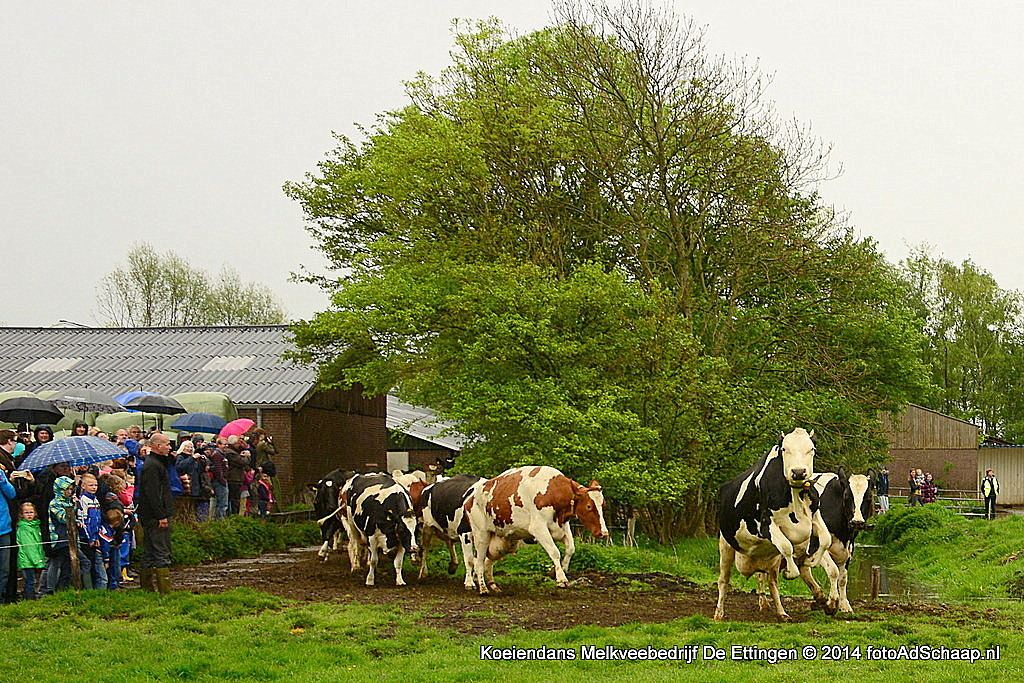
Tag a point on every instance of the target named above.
point(989, 491)
point(264, 495)
point(235, 472)
point(79, 428)
point(7, 495)
point(913, 490)
point(929, 491)
point(882, 488)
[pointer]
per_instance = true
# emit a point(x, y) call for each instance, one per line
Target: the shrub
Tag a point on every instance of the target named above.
point(901, 525)
point(236, 536)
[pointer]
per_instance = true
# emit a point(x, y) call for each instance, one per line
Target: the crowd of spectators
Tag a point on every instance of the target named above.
point(118, 505)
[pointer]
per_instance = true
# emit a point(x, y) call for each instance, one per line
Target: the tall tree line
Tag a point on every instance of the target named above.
point(975, 343)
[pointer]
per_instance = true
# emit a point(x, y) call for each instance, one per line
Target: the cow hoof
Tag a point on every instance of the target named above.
point(762, 603)
point(830, 609)
point(563, 584)
point(785, 617)
point(452, 566)
point(369, 584)
point(469, 586)
point(719, 616)
point(399, 582)
point(791, 574)
point(494, 588)
point(846, 609)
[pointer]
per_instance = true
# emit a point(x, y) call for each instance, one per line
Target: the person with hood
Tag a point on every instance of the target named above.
point(155, 509)
point(58, 569)
point(42, 434)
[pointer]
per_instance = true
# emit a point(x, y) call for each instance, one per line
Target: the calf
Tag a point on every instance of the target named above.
point(532, 502)
point(328, 513)
point(378, 514)
point(845, 504)
point(766, 518)
point(443, 510)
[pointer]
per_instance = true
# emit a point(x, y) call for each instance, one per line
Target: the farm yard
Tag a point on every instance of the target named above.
point(287, 616)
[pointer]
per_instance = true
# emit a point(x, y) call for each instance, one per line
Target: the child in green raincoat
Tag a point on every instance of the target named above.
point(31, 558)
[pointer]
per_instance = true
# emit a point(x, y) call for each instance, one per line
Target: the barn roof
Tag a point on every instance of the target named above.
point(424, 424)
point(244, 362)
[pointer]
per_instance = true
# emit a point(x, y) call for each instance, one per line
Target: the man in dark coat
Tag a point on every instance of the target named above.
point(155, 508)
point(236, 463)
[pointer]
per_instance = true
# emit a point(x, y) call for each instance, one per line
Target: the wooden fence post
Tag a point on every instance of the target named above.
point(876, 581)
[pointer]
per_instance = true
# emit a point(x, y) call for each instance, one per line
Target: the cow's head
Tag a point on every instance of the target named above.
point(588, 505)
point(863, 503)
point(406, 528)
point(797, 451)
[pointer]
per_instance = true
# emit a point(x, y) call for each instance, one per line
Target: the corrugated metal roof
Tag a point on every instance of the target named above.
point(423, 423)
point(164, 360)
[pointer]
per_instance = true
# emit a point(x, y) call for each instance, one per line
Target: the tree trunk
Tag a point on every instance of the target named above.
point(76, 571)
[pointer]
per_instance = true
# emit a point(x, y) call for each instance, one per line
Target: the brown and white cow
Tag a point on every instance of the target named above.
point(532, 502)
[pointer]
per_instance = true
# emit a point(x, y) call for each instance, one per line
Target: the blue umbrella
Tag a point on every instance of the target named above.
point(207, 423)
point(75, 450)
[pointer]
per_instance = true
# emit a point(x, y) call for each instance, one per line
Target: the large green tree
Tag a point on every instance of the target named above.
point(593, 246)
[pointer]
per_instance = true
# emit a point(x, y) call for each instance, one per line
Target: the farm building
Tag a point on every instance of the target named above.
point(418, 438)
point(315, 430)
point(943, 445)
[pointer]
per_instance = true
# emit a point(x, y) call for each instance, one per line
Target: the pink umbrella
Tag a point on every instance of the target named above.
point(237, 427)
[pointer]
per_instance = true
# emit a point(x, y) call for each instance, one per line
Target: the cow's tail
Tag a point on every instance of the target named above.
point(335, 513)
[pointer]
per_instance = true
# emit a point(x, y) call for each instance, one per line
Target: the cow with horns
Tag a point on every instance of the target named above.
point(529, 503)
point(768, 516)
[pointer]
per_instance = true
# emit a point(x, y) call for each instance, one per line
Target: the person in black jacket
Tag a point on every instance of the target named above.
point(154, 510)
point(882, 488)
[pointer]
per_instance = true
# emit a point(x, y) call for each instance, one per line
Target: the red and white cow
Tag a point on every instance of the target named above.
point(529, 502)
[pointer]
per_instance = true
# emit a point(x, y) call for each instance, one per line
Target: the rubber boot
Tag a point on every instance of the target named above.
point(147, 579)
point(124, 576)
point(163, 580)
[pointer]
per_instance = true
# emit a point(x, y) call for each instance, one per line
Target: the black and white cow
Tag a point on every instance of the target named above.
point(765, 519)
point(328, 513)
point(378, 514)
point(846, 504)
point(443, 512)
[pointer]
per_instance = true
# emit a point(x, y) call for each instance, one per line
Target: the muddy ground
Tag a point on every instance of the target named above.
point(595, 598)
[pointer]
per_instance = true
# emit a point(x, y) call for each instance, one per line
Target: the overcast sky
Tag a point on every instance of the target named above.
point(178, 123)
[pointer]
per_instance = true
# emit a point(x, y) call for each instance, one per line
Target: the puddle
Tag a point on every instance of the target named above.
point(894, 585)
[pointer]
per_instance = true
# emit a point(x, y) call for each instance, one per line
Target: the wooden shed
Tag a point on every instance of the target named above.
point(943, 445)
point(1008, 464)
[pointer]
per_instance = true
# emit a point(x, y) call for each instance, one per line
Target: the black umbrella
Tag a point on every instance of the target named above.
point(29, 409)
point(155, 403)
point(86, 400)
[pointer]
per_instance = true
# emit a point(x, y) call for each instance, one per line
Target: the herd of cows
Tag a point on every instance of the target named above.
point(777, 515)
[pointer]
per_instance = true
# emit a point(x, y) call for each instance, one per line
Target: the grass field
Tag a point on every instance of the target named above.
point(246, 635)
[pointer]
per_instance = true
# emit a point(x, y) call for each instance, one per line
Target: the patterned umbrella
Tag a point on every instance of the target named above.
point(76, 450)
point(86, 400)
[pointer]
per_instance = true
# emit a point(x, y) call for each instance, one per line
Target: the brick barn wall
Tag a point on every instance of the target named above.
point(338, 429)
point(953, 468)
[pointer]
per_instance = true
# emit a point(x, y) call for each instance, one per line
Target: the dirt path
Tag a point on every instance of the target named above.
point(598, 599)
